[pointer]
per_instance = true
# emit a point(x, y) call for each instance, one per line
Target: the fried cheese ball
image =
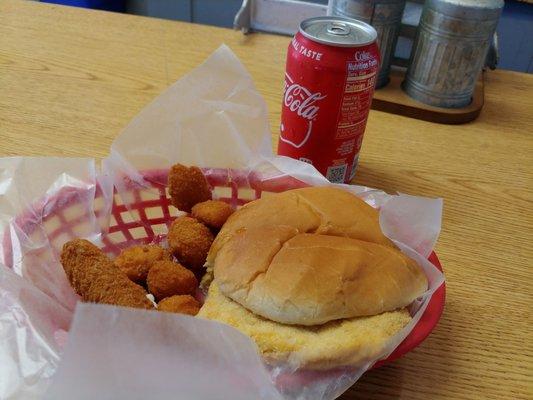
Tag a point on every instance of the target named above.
point(97, 280)
point(136, 261)
point(212, 213)
point(167, 278)
point(187, 187)
point(185, 304)
point(189, 240)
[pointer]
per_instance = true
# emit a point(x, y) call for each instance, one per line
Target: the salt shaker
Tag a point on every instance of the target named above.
point(449, 51)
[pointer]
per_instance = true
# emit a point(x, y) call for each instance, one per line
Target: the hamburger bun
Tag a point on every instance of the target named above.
point(310, 279)
point(322, 210)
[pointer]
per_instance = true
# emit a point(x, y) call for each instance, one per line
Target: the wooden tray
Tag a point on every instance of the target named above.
point(394, 100)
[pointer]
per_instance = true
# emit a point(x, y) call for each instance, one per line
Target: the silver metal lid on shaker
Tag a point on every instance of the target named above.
point(338, 31)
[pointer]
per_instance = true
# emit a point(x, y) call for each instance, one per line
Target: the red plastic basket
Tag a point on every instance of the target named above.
point(149, 213)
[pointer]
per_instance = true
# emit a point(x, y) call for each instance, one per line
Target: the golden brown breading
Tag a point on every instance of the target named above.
point(187, 187)
point(344, 342)
point(167, 278)
point(212, 213)
point(190, 241)
point(96, 279)
point(136, 261)
point(180, 304)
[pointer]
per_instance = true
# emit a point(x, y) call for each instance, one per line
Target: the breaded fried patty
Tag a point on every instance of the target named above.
point(334, 344)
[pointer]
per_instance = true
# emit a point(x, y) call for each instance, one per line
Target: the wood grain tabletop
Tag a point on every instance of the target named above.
point(71, 79)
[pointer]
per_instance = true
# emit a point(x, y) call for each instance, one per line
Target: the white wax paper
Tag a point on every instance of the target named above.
point(212, 117)
point(155, 355)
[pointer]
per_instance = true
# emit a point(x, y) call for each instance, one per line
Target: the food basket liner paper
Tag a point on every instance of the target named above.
point(214, 118)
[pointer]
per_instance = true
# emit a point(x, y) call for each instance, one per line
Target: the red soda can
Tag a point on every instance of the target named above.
point(332, 65)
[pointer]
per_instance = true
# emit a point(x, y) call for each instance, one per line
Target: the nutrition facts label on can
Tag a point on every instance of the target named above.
point(356, 101)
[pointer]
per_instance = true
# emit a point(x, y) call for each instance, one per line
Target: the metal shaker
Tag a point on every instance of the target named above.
point(385, 16)
point(450, 49)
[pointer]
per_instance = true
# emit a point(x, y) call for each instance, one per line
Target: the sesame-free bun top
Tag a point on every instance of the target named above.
point(309, 279)
point(319, 210)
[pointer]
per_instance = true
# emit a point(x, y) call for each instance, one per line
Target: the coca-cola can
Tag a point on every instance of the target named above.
point(332, 65)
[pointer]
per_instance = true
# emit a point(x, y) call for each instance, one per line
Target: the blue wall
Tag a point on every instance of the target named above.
point(515, 34)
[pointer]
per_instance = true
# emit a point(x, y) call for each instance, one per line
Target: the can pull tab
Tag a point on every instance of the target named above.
point(338, 28)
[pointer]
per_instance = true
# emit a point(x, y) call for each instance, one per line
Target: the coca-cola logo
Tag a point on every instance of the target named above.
point(301, 101)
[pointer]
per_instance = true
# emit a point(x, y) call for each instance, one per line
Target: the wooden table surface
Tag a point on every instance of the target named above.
point(70, 79)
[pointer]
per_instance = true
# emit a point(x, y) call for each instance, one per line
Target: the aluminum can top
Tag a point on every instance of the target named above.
point(338, 31)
